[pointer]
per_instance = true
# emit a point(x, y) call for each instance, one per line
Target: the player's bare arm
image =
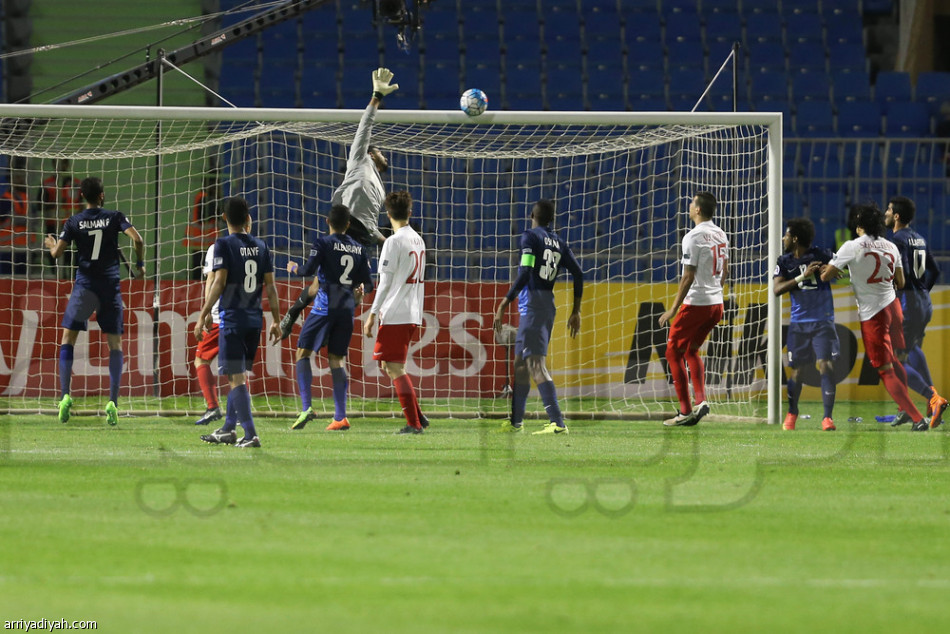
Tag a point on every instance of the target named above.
point(219, 281)
point(899, 279)
point(271, 288)
point(56, 247)
point(689, 275)
point(500, 314)
point(139, 244)
point(829, 273)
point(369, 324)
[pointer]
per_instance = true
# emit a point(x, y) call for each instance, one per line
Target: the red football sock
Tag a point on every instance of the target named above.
point(208, 387)
point(408, 400)
point(898, 392)
point(680, 382)
point(697, 374)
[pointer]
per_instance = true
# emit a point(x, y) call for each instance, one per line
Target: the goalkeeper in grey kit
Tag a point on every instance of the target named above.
point(361, 191)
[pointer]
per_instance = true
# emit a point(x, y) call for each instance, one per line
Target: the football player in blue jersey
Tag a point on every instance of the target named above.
point(920, 275)
point(342, 277)
point(95, 232)
point(242, 269)
point(811, 331)
point(543, 254)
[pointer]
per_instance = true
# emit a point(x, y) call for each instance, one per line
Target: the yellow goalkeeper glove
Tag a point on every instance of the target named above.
point(381, 85)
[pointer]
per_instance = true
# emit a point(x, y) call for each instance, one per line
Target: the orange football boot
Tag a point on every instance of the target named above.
point(789, 424)
point(339, 425)
point(827, 424)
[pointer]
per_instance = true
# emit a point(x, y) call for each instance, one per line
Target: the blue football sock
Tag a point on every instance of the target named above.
point(828, 389)
point(65, 368)
point(916, 382)
point(304, 381)
point(917, 360)
point(339, 392)
point(519, 398)
point(242, 406)
point(794, 391)
point(549, 398)
point(115, 374)
point(230, 418)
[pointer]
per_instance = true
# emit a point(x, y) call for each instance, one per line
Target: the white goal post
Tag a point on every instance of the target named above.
point(621, 183)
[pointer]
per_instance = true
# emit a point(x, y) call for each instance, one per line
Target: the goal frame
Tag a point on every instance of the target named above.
point(771, 120)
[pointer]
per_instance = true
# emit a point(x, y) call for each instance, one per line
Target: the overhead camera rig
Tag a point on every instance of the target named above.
point(404, 15)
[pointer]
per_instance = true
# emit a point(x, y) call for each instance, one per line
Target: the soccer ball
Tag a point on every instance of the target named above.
point(473, 102)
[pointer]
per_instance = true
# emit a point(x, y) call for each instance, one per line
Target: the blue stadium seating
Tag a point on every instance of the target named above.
point(804, 28)
point(811, 87)
point(682, 27)
point(685, 55)
point(602, 21)
point(892, 87)
point(763, 27)
point(807, 58)
point(859, 119)
point(723, 28)
point(848, 57)
point(852, 87)
point(814, 119)
point(766, 56)
point(480, 21)
point(908, 119)
point(933, 89)
point(769, 87)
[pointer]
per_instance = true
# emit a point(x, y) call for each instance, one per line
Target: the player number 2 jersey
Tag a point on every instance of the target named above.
point(707, 248)
point(401, 290)
point(872, 263)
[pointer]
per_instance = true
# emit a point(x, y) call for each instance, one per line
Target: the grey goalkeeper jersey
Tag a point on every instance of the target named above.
point(362, 188)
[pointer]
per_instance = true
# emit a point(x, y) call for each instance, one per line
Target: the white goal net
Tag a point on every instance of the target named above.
point(621, 184)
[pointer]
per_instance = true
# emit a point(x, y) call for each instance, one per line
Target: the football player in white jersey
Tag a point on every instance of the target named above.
point(208, 350)
point(705, 268)
point(398, 305)
point(875, 267)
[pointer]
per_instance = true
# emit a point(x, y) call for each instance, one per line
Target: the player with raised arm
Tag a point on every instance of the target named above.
point(96, 287)
point(705, 269)
point(342, 277)
point(543, 253)
point(920, 275)
point(398, 305)
point(362, 190)
point(875, 267)
point(811, 332)
point(242, 268)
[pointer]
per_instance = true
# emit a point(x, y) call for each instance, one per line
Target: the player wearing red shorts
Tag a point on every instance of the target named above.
point(398, 305)
point(875, 267)
point(705, 267)
point(207, 351)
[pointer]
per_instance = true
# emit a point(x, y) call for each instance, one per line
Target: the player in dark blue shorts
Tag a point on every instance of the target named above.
point(342, 277)
point(543, 254)
point(811, 331)
point(920, 275)
point(96, 289)
point(242, 268)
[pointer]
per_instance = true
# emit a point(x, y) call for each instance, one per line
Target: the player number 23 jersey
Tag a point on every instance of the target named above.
point(872, 262)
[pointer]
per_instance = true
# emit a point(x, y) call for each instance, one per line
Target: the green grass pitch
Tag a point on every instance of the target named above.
point(620, 526)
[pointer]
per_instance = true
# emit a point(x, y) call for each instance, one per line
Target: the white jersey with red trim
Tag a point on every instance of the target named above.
point(206, 270)
point(401, 289)
point(707, 248)
point(872, 263)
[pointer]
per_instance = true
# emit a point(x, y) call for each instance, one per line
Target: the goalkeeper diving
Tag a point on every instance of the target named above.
point(361, 191)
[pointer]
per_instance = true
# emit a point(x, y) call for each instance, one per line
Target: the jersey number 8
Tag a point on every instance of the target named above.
point(250, 276)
